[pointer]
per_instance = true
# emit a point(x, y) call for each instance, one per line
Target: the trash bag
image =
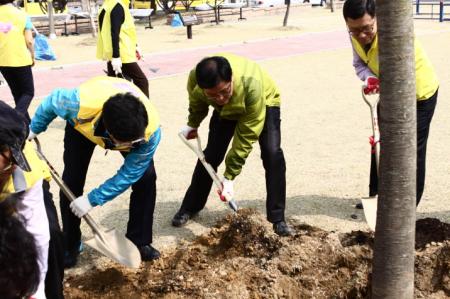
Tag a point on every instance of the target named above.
point(176, 21)
point(42, 49)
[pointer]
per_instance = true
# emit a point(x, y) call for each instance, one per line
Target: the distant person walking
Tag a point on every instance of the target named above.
point(117, 43)
point(17, 54)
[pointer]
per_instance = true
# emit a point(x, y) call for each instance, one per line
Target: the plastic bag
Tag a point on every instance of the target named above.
point(176, 21)
point(42, 49)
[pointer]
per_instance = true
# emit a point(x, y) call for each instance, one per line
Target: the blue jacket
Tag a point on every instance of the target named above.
point(68, 104)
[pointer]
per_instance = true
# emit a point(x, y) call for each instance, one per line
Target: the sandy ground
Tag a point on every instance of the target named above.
point(325, 130)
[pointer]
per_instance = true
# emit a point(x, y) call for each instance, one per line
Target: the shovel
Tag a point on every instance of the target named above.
point(109, 243)
point(370, 203)
point(201, 156)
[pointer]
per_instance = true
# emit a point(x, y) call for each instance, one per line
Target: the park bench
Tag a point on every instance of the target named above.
point(188, 21)
point(231, 9)
point(142, 13)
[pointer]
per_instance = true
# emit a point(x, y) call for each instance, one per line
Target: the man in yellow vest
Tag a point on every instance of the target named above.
point(246, 106)
point(114, 114)
point(21, 171)
point(17, 54)
point(116, 42)
point(361, 22)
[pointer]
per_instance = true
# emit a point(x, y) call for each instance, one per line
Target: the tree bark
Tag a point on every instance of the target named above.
point(286, 15)
point(393, 261)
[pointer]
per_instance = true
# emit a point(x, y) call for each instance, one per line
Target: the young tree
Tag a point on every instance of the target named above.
point(393, 262)
point(286, 15)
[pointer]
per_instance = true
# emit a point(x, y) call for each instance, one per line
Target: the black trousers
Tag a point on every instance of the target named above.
point(77, 155)
point(220, 134)
point(20, 81)
point(55, 271)
point(425, 112)
point(134, 72)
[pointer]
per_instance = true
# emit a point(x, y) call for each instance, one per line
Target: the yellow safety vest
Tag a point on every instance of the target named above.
point(127, 35)
point(426, 80)
point(22, 180)
point(95, 92)
point(13, 48)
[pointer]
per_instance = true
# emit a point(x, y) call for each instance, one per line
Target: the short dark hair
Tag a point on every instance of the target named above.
point(19, 274)
point(125, 117)
point(211, 71)
point(3, 2)
point(355, 9)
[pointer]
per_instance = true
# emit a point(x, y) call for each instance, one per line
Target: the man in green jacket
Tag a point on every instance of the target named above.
point(246, 106)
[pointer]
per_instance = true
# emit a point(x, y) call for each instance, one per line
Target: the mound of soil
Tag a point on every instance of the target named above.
point(241, 257)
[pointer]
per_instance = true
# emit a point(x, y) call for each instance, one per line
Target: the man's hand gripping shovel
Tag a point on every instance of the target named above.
point(201, 156)
point(370, 203)
point(109, 243)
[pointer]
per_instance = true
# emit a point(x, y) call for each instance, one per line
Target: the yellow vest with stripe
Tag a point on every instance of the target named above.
point(22, 180)
point(95, 92)
point(426, 80)
point(127, 35)
point(13, 48)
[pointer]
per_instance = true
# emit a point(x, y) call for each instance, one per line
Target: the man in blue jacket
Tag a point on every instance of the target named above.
point(116, 115)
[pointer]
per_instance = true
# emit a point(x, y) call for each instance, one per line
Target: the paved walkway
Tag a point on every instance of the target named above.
point(159, 65)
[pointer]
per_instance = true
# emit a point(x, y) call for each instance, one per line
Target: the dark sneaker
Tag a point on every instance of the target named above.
point(359, 206)
point(181, 218)
point(282, 229)
point(71, 256)
point(149, 253)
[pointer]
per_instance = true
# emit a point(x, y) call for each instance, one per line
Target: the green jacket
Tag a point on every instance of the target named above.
point(253, 90)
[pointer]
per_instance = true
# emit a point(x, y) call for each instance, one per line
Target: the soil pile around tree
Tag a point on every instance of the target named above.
point(241, 257)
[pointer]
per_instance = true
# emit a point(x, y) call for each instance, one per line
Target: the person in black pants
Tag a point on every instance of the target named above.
point(246, 110)
point(17, 55)
point(125, 121)
point(117, 43)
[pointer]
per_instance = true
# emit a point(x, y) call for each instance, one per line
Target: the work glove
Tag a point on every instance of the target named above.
point(227, 190)
point(139, 55)
point(81, 206)
point(116, 64)
point(31, 135)
point(371, 85)
point(189, 132)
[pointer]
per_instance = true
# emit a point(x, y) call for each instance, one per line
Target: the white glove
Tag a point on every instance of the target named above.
point(189, 132)
point(116, 64)
point(139, 55)
point(31, 135)
point(81, 206)
point(227, 191)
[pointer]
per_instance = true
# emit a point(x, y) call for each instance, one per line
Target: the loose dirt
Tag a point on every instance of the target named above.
point(241, 257)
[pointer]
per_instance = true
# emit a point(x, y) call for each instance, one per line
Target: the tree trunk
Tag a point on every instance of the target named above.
point(286, 15)
point(393, 261)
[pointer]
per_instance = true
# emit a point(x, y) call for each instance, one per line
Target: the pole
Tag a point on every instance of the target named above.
point(51, 20)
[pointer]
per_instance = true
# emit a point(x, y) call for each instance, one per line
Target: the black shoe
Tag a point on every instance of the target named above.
point(149, 253)
point(71, 256)
point(181, 218)
point(282, 229)
point(359, 206)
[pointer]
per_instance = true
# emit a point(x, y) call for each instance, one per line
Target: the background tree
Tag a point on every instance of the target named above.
point(286, 15)
point(393, 262)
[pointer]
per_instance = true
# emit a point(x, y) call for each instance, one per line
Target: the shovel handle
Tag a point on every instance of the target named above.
point(201, 156)
point(373, 101)
point(89, 220)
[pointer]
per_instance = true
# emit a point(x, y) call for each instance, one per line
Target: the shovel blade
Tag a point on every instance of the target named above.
point(117, 247)
point(370, 211)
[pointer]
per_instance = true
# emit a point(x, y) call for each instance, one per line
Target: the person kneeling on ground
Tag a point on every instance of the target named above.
point(116, 115)
point(246, 109)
